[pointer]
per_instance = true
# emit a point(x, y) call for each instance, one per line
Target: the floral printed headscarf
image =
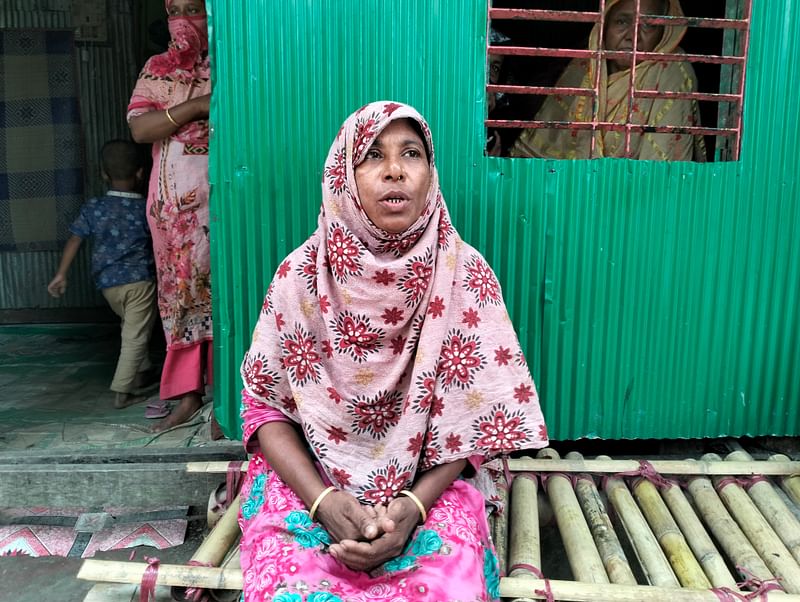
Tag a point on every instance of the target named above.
point(394, 352)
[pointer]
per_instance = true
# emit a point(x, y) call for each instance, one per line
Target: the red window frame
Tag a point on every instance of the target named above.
point(729, 125)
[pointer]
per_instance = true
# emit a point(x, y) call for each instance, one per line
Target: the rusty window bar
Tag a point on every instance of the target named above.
point(598, 58)
point(740, 92)
point(591, 54)
point(632, 81)
point(705, 23)
point(554, 91)
point(514, 14)
point(687, 96)
point(540, 90)
point(523, 14)
point(610, 126)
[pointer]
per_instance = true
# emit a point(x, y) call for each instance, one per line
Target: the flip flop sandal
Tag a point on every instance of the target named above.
point(156, 409)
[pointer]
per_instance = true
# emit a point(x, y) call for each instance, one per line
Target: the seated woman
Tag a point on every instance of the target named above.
point(615, 75)
point(383, 368)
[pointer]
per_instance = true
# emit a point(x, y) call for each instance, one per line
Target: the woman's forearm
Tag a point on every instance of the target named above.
point(155, 125)
point(433, 482)
point(286, 453)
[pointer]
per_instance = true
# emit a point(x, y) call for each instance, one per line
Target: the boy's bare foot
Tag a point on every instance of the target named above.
point(186, 408)
point(123, 400)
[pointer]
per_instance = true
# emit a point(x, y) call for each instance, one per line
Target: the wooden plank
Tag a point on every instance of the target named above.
point(143, 485)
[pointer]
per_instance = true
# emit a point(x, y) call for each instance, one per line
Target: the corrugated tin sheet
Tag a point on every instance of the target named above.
point(652, 299)
point(25, 277)
point(106, 74)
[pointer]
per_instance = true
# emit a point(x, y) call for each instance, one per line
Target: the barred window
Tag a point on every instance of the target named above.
point(561, 73)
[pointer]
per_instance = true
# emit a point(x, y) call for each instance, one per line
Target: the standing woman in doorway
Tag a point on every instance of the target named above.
point(169, 108)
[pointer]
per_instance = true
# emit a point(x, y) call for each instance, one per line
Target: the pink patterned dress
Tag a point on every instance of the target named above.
point(177, 210)
point(393, 353)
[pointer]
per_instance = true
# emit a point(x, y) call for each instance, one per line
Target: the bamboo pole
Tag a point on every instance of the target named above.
point(232, 561)
point(584, 559)
point(705, 551)
point(523, 545)
point(214, 548)
point(726, 531)
point(665, 467)
point(773, 509)
point(791, 483)
point(652, 559)
point(608, 544)
point(112, 571)
point(669, 536)
point(764, 539)
point(523, 518)
point(499, 526)
point(511, 587)
point(124, 592)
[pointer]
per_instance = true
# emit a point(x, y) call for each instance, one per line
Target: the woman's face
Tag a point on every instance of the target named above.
point(620, 24)
point(394, 177)
point(186, 8)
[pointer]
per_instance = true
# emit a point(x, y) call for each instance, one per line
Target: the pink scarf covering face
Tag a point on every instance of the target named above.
point(174, 76)
point(393, 352)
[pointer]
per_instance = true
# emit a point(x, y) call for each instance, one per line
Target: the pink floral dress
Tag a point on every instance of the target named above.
point(284, 553)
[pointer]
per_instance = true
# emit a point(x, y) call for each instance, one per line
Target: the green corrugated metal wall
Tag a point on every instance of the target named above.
point(652, 299)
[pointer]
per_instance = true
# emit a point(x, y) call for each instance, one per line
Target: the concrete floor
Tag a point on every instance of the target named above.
point(55, 400)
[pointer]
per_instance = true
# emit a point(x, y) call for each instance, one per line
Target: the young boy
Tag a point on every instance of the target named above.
point(122, 262)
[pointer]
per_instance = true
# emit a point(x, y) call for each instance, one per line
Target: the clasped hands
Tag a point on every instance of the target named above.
point(366, 536)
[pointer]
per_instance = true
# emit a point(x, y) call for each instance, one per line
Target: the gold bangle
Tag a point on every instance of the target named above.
point(318, 501)
point(171, 120)
point(418, 502)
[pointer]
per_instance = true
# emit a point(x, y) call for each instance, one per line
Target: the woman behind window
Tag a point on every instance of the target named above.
point(615, 75)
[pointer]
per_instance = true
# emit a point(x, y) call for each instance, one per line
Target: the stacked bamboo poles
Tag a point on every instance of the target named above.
point(669, 536)
point(216, 547)
point(702, 546)
point(651, 557)
point(791, 483)
point(608, 544)
point(727, 532)
point(583, 557)
point(758, 531)
point(773, 509)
